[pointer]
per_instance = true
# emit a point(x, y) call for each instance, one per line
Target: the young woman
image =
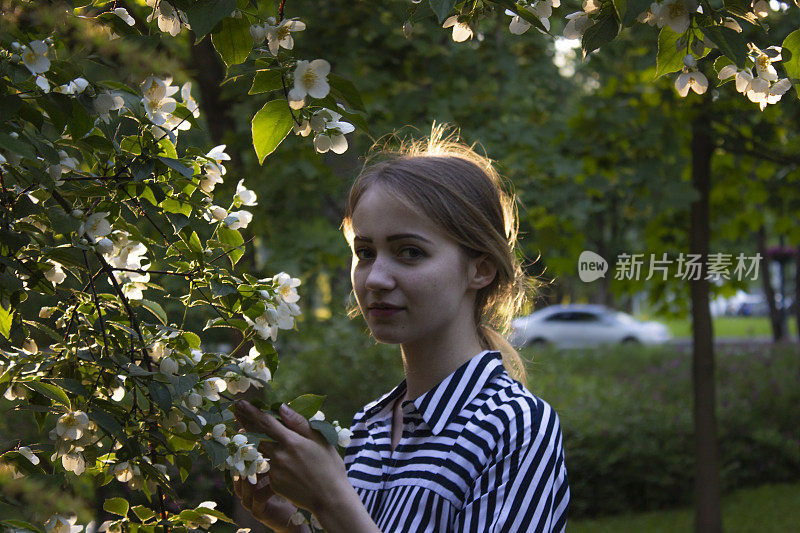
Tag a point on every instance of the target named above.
point(460, 444)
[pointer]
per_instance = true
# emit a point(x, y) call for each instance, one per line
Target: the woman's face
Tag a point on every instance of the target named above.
point(411, 280)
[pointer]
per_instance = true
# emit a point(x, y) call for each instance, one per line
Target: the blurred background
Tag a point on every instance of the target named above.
point(599, 153)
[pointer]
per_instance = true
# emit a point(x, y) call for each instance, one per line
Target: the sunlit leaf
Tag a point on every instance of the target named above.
point(270, 126)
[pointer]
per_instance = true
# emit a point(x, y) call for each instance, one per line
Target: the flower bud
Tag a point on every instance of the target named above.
point(408, 28)
point(77, 213)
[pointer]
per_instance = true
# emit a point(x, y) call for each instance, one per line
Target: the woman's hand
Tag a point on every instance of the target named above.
point(265, 506)
point(304, 467)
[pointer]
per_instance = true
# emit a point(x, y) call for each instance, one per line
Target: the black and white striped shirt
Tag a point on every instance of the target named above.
point(479, 453)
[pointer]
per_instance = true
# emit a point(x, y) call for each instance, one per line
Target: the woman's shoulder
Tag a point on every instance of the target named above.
point(512, 410)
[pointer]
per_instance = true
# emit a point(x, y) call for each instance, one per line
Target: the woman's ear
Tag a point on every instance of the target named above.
point(482, 271)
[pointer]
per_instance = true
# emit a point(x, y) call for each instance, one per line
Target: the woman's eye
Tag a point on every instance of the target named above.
point(411, 252)
point(362, 253)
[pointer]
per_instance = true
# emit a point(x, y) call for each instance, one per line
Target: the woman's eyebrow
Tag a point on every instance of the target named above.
point(394, 237)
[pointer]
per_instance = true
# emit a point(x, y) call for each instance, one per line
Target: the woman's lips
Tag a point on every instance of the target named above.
point(384, 311)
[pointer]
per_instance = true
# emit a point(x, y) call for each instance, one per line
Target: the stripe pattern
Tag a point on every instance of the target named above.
point(478, 453)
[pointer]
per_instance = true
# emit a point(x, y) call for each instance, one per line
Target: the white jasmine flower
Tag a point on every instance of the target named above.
point(123, 472)
point(28, 454)
point(106, 102)
point(216, 213)
point(676, 14)
point(72, 425)
point(61, 524)
point(281, 35)
point(344, 436)
point(245, 195)
point(258, 33)
point(189, 101)
point(122, 13)
point(302, 129)
point(461, 30)
point(96, 225)
point(264, 328)
point(763, 60)
point(16, 392)
point(157, 100)
point(104, 245)
point(577, 24)
point(287, 287)
point(168, 366)
point(691, 79)
point(43, 84)
point(742, 77)
point(214, 169)
point(310, 78)
point(319, 415)
point(212, 387)
point(168, 18)
point(34, 57)
point(238, 219)
point(56, 274)
point(73, 462)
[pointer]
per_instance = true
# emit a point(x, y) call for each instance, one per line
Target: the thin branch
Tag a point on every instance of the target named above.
point(97, 305)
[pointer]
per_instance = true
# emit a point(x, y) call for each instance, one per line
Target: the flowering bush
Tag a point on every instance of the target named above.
point(99, 204)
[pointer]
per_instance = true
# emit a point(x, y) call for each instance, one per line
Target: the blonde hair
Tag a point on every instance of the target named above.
point(460, 191)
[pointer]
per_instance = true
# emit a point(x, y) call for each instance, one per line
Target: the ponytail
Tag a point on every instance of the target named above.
point(512, 360)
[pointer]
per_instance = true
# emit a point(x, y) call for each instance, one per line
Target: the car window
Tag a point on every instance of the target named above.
point(560, 317)
point(584, 316)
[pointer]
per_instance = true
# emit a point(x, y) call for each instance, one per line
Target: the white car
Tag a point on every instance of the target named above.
point(577, 325)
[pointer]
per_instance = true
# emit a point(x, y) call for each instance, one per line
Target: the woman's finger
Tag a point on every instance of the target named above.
point(267, 448)
point(246, 493)
point(254, 419)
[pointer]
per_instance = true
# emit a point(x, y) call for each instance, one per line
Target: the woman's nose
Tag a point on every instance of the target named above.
point(380, 277)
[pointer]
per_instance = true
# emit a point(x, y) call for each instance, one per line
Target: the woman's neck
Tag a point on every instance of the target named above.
point(427, 365)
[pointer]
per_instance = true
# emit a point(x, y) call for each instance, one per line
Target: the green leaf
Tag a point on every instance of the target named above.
point(172, 205)
point(347, 91)
point(156, 309)
point(215, 513)
point(192, 339)
point(20, 524)
point(233, 41)
point(233, 241)
point(442, 8)
point(79, 123)
point(176, 165)
point(194, 243)
point(9, 105)
point(729, 42)
point(6, 318)
point(22, 463)
point(669, 58)
point(160, 394)
point(178, 221)
point(117, 506)
point(56, 394)
point(221, 289)
point(629, 10)
point(604, 30)
point(204, 15)
point(327, 430)
point(270, 126)
point(17, 146)
point(267, 80)
point(216, 452)
point(307, 404)
point(143, 513)
point(791, 56)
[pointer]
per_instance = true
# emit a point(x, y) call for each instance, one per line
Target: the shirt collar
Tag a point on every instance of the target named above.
point(443, 402)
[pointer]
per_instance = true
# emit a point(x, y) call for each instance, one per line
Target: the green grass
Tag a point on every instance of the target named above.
point(729, 326)
point(765, 509)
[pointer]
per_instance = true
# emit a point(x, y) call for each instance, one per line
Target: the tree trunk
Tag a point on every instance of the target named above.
point(797, 292)
point(706, 472)
point(209, 73)
point(775, 318)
